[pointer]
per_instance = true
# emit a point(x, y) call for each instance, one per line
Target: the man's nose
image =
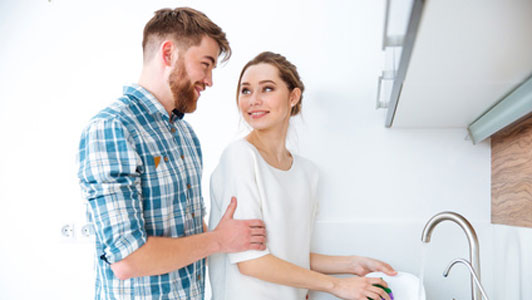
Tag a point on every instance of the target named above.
point(208, 79)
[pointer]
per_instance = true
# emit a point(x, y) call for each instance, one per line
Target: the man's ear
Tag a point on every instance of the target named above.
point(167, 52)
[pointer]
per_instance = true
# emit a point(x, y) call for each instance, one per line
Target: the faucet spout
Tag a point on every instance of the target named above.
point(471, 238)
point(471, 271)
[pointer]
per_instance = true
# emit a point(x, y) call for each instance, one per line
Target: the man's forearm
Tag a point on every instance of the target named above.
point(161, 255)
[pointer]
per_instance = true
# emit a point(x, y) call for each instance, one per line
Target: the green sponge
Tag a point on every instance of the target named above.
point(387, 290)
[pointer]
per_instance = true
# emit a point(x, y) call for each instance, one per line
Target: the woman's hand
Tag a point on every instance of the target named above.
point(364, 265)
point(359, 288)
point(273, 269)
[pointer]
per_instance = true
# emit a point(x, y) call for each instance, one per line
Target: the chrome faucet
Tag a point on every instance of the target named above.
point(472, 239)
point(473, 274)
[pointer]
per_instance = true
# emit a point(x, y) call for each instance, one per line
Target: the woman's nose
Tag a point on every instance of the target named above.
point(254, 99)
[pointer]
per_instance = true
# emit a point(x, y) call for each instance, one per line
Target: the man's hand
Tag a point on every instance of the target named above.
point(359, 288)
point(364, 265)
point(240, 235)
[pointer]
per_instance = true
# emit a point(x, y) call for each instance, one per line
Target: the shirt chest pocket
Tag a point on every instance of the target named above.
point(163, 176)
point(163, 165)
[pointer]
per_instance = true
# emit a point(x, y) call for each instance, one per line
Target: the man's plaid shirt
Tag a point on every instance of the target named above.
point(140, 171)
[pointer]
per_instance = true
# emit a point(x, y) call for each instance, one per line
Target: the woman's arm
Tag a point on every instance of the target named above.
point(272, 269)
point(357, 265)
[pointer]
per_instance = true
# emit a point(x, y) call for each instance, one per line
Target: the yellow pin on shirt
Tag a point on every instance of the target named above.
point(156, 160)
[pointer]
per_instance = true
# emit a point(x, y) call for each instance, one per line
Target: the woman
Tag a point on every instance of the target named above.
point(278, 187)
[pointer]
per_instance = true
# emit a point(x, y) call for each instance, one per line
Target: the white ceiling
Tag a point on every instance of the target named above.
point(466, 57)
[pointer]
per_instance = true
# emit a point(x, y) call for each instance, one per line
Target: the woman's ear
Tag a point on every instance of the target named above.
point(295, 96)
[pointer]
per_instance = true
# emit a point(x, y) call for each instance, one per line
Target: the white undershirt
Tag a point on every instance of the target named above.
point(285, 200)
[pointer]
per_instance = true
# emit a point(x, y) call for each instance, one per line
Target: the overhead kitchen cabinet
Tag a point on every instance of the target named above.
point(452, 60)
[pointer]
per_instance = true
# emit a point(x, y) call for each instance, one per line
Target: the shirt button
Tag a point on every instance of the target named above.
point(188, 186)
point(182, 156)
point(173, 130)
point(199, 277)
point(166, 159)
point(193, 215)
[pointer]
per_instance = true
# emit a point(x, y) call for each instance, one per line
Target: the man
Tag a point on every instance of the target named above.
point(140, 170)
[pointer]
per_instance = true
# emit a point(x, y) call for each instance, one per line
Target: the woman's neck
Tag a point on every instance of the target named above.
point(272, 146)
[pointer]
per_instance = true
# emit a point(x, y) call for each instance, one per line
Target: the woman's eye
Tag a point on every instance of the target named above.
point(245, 91)
point(206, 65)
point(268, 89)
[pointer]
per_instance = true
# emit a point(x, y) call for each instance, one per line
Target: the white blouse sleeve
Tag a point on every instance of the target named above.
point(236, 176)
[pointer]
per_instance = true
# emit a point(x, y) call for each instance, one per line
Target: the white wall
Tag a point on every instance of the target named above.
point(62, 61)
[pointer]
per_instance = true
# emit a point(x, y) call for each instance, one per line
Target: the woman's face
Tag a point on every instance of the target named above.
point(264, 99)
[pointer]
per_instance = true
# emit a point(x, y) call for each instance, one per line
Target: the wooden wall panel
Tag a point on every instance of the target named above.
point(511, 174)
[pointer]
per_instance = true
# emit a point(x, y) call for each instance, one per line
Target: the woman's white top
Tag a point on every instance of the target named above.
point(285, 200)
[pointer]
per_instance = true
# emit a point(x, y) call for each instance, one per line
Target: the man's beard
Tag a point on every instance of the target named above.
point(182, 89)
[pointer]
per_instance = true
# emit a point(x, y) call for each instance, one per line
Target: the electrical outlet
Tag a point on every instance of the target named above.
point(68, 233)
point(86, 233)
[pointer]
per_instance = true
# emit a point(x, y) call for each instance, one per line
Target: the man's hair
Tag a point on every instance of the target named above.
point(184, 25)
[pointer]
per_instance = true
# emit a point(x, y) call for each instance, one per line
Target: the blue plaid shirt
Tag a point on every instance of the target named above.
point(140, 171)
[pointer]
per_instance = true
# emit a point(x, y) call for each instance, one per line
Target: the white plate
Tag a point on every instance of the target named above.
point(404, 286)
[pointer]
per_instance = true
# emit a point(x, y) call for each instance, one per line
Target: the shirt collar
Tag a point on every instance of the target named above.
point(152, 104)
point(177, 115)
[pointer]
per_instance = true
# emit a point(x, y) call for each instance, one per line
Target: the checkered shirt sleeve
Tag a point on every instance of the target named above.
point(109, 173)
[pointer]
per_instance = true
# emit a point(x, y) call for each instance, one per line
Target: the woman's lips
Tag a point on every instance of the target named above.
point(258, 114)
